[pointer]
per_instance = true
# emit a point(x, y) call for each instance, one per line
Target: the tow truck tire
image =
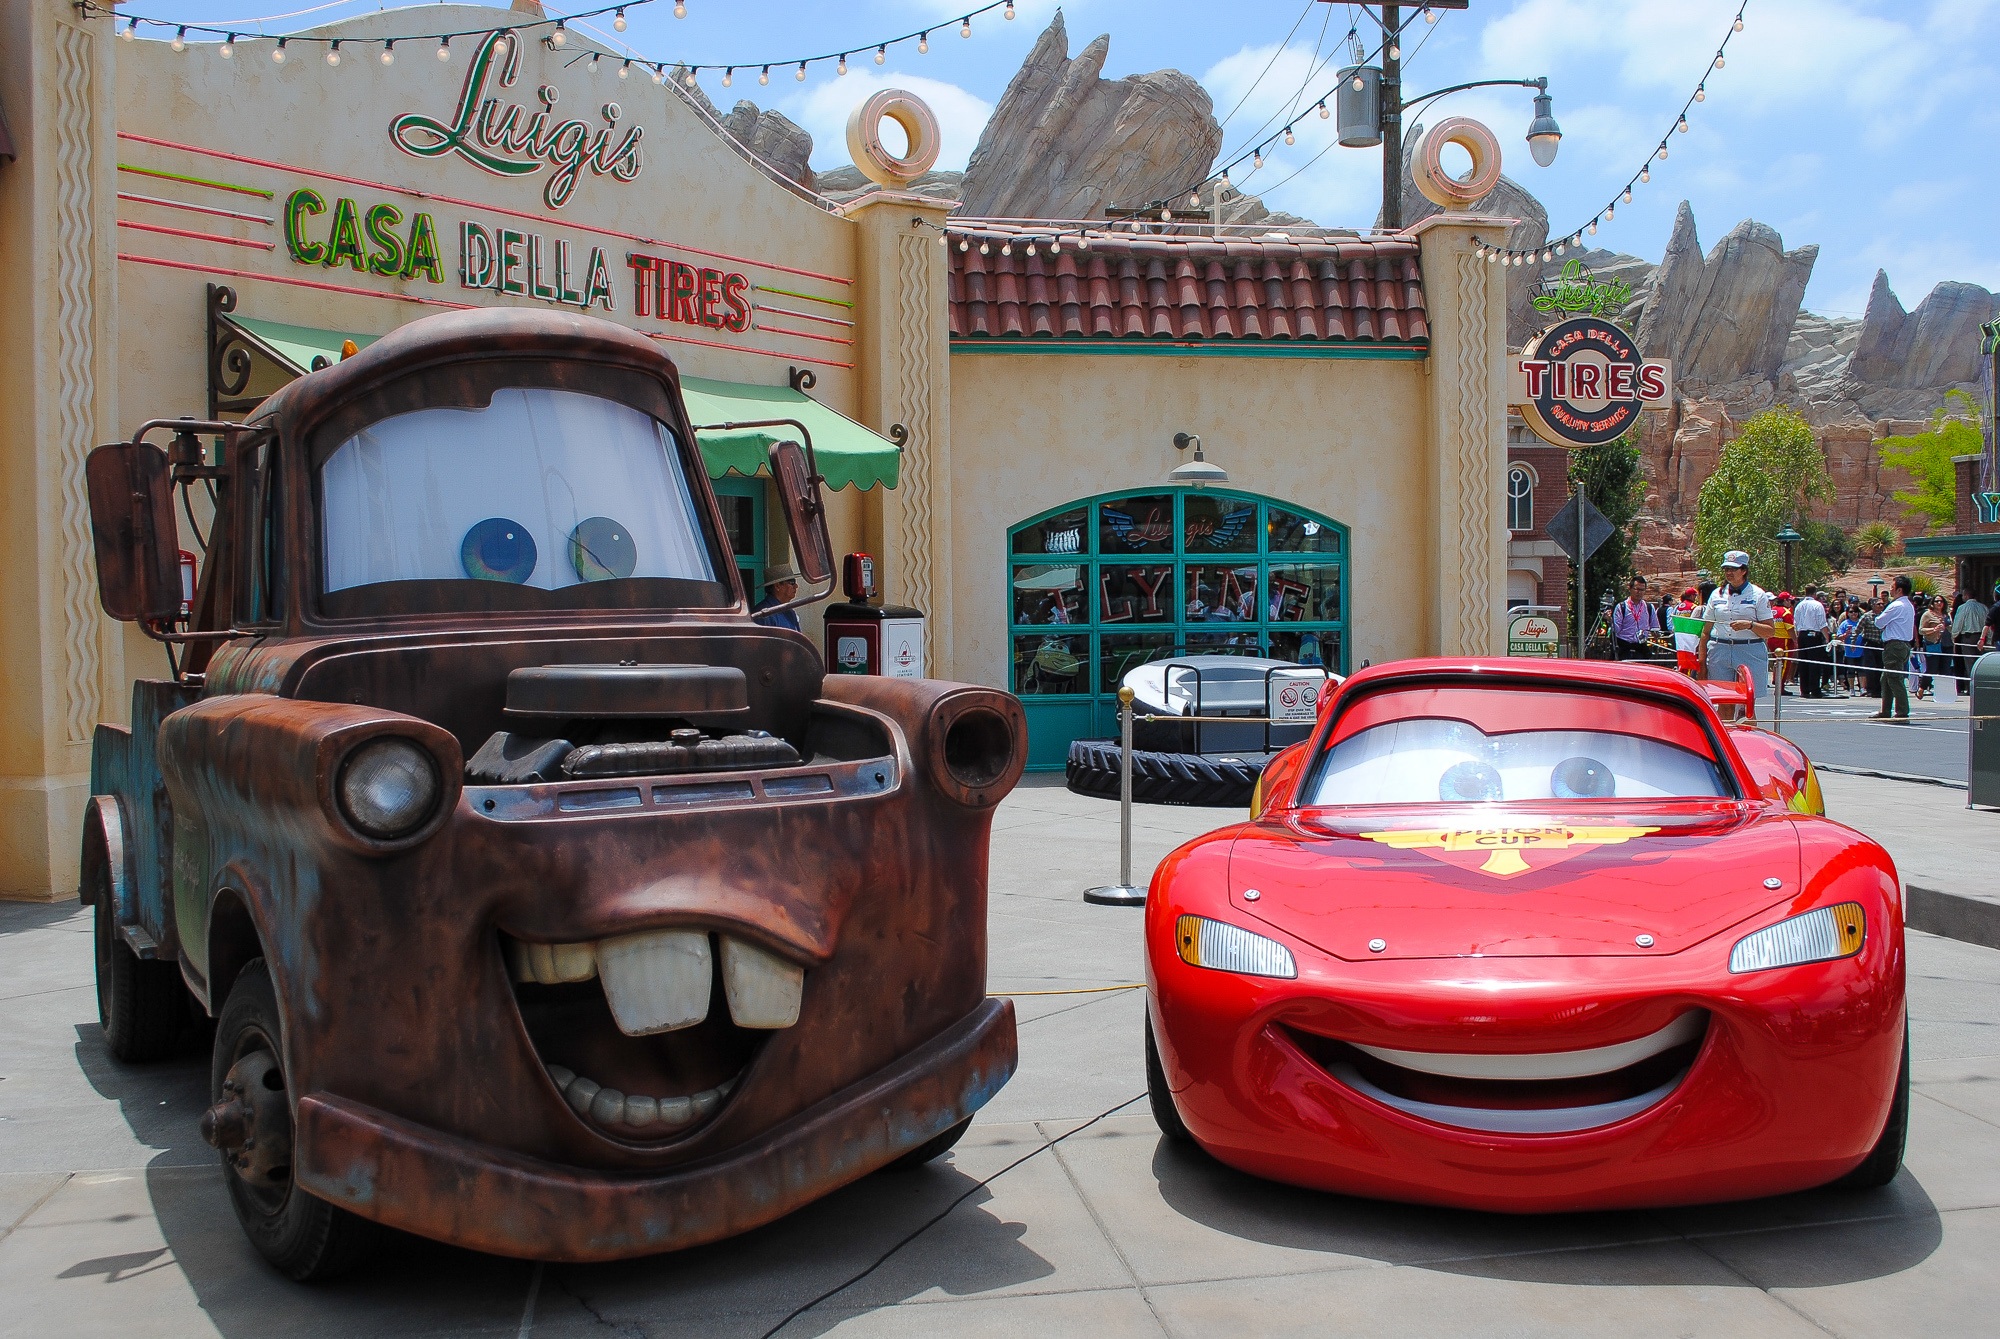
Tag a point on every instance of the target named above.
point(1885, 1160)
point(142, 1005)
point(1194, 779)
point(931, 1149)
point(304, 1237)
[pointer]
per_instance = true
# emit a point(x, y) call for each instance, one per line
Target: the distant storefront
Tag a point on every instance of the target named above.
point(995, 415)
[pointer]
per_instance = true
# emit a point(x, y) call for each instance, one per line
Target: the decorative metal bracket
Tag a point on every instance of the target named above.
point(802, 378)
point(229, 361)
point(899, 434)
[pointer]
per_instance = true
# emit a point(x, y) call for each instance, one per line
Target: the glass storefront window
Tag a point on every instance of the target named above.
point(1244, 642)
point(1220, 525)
point(1122, 652)
point(1308, 646)
point(1293, 533)
point(1221, 594)
point(1066, 533)
point(1134, 594)
point(1050, 594)
point(1046, 664)
point(1303, 594)
point(1136, 525)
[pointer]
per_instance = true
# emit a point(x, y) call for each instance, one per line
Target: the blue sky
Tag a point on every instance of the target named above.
point(1862, 125)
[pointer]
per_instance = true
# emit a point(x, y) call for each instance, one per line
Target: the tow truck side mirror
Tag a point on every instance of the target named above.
point(805, 512)
point(132, 527)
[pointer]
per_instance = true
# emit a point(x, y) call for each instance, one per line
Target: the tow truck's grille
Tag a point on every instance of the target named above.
point(582, 800)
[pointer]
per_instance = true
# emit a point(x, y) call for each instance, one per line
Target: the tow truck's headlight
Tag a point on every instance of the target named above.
point(1817, 936)
point(388, 787)
point(1228, 948)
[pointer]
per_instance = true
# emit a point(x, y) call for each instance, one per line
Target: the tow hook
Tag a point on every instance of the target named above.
point(252, 1125)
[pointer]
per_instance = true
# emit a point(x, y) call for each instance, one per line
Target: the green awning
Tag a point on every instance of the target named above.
point(296, 346)
point(848, 454)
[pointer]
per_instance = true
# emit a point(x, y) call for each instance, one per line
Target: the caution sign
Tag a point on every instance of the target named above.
point(1294, 696)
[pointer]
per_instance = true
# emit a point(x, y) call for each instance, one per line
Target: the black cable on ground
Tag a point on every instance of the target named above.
point(942, 1214)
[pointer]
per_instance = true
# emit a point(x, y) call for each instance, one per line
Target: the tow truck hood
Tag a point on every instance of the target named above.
point(1506, 882)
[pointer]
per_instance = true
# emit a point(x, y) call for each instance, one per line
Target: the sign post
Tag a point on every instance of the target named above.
point(1579, 530)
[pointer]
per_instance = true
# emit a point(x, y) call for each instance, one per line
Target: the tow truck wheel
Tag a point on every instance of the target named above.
point(931, 1149)
point(303, 1236)
point(142, 1006)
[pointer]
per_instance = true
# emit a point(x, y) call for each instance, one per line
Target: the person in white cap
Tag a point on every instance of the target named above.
point(780, 585)
point(1737, 619)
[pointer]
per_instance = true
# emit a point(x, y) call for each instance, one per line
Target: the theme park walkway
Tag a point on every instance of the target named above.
point(1062, 1212)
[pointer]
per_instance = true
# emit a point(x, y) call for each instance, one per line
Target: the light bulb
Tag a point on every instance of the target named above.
point(278, 52)
point(1031, 248)
point(1290, 138)
point(1628, 195)
point(984, 250)
point(560, 35)
point(500, 46)
point(1395, 52)
point(659, 74)
point(842, 67)
point(1683, 126)
point(680, 9)
point(1224, 179)
point(729, 77)
point(1610, 212)
point(1006, 248)
point(1719, 62)
point(964, 245)
point(1546, 257)
point(444, 49)
point(1083, 242)
point(1593, 227)
point(944, 240)
point(625, 70)
point(618, 20)
point(1701, 93)
point(1561, 247)
point(764, 75)
point(802, 72)
point(1194, 201)
point(690, 77)
point(131, 33)
point(882, 55)
point(965, 26)
point(1055, 246)
point(1166, 216)
point(1429, 16)
point(1738, 25)
point(228, 47)
point(1009, 11)
point(1357, 85)
point(923, 44)
point(1646, 173)
point(592, 67)
point(1663, 151)
point(180, 42)
point(333, 54)
point(1323, 112)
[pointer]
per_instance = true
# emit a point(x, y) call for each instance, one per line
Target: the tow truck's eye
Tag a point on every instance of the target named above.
point(1581, 779)
point(600, 549)
point(1469, 781)
point(498, 549)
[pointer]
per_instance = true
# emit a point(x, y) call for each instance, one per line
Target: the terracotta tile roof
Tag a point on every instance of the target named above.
point(1139, 286)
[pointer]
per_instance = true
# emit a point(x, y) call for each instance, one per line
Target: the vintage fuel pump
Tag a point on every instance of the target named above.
point(863, 637)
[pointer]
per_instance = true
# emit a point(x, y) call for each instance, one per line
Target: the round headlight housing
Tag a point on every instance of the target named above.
point(388, 788)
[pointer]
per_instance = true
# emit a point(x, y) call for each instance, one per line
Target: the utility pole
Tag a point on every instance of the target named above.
point(1392, 120)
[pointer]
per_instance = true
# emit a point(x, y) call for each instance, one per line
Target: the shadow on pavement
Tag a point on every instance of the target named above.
point(1808, 1240)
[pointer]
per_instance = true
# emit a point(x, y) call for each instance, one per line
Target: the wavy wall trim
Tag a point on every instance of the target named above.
point(73, 362)
point(913, 393)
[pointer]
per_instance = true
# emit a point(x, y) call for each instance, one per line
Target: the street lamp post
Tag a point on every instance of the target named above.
point(1788, 537)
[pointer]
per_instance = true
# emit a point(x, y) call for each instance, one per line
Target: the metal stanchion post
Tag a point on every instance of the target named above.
point(1122, 893)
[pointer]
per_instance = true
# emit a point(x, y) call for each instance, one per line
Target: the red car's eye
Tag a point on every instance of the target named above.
point(1202, 942)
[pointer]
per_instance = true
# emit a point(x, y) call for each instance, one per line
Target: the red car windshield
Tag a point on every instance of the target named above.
point(1448, 745)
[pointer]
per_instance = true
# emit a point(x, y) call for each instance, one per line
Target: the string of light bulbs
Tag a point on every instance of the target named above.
point(554, 32)
point(1550, 250)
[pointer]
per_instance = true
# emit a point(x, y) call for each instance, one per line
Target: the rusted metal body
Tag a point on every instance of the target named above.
point(423, 1061)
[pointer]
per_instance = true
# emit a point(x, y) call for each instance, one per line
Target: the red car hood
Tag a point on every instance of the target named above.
point(1513, 882)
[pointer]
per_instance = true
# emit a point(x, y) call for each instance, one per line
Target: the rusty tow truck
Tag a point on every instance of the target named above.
point(542, 901)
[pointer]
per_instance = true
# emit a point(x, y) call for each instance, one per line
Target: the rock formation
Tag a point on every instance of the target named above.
point(1729, 315)
point(770, 136)
point(1925, 351)
point(1065, 143)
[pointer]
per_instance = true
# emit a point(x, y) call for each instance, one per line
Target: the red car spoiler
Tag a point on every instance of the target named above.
point(1741, 693)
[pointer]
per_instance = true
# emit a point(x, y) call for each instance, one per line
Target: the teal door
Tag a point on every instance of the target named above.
point(1098, 586)
point(743, 517)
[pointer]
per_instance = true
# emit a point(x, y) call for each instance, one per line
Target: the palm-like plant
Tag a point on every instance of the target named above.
point(1876, 539)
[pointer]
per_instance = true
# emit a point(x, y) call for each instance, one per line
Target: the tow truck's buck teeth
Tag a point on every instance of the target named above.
point(633, 1113)
point(661, 980)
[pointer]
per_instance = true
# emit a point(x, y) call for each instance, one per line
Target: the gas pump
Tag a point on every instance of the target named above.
point(863, 637)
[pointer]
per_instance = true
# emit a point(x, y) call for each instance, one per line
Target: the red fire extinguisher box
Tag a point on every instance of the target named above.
point(875, 639)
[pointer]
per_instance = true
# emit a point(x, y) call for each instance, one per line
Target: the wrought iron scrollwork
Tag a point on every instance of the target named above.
point(229, 361)
point(899, 434)
point(802, 379)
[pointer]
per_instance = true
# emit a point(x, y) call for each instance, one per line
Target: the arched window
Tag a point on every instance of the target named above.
point(1520, 497)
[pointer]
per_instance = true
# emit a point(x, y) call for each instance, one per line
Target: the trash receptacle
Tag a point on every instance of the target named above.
point(1982, 737)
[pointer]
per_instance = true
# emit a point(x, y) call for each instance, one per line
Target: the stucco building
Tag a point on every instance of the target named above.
point(190, 231)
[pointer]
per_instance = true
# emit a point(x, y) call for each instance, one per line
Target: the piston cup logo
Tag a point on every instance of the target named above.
point(1582, 383)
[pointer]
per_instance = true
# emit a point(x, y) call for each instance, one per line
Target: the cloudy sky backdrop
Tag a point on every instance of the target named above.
point(1865, 126)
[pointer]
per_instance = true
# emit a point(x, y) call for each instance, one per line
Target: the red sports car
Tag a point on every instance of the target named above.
point(1533, 936)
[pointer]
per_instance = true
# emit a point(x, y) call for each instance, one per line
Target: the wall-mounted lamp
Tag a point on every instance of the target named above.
point(1198, 471)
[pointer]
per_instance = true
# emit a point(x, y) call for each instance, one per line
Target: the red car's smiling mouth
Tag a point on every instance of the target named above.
point(646, 1035)
point(1551, 1092)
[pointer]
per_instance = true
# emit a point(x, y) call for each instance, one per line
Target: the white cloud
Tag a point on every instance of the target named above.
point(823, 110)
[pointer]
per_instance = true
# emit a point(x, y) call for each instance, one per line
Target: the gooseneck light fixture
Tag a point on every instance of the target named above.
point(1199, 471)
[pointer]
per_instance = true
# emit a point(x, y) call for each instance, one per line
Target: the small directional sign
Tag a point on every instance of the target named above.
point(1562, 528)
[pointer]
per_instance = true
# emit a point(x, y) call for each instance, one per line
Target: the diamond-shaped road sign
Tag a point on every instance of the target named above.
point(1562, 528)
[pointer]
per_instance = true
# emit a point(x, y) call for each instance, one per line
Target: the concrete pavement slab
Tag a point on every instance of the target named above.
point(1954, 1290)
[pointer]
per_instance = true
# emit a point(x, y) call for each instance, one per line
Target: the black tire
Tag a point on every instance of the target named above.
point(1885, 1160)
point(1165, 1114)
point(142, 1005)
point(302, 1236)
point(1193, 779)
point(930, 1150)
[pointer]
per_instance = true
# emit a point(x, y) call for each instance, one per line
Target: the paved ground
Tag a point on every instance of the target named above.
point(113, 1220)
point(1840, 731)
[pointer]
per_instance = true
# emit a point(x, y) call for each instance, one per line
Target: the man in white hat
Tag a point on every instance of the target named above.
point(781, 583)
point(1737, 619)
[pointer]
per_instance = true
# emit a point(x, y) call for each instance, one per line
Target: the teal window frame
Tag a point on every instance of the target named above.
point(752, 564)
point(1091, 557)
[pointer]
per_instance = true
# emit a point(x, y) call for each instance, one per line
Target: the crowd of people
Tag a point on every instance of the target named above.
point(1889, 646)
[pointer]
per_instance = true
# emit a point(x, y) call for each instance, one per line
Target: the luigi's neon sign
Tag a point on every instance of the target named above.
point(1582, 382)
